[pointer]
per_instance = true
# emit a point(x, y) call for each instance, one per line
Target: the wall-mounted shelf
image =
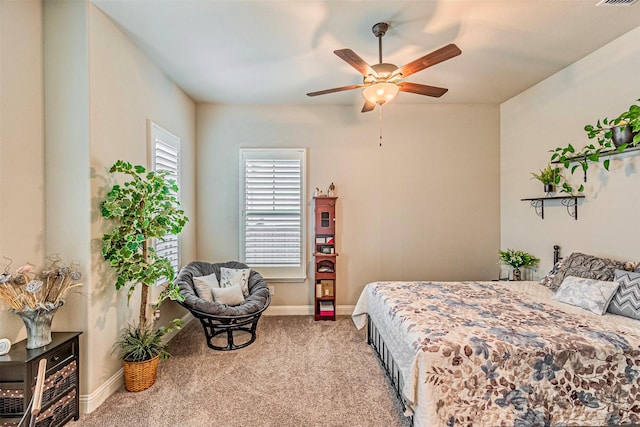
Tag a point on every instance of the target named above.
point(604, 153)
point(570, 202)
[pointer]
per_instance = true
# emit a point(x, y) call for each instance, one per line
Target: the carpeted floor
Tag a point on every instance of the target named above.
point(297, 373)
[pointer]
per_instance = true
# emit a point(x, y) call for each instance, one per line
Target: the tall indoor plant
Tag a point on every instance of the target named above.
point(144, 208)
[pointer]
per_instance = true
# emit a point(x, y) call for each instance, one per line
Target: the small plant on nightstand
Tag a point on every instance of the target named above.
point(517, 259)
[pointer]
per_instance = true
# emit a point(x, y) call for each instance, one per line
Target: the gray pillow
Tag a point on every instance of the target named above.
point(585, 266)
point(590, 294)
point(626, 301)
point(548, 279)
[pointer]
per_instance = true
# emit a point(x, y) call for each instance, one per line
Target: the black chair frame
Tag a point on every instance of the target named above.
point(217, 325)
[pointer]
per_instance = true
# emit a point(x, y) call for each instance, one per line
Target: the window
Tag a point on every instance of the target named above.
point(272, 214)
point(165, 155)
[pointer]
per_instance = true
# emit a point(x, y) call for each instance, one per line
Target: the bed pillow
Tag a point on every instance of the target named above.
point(231, 295)
point(204, 284)
point(233, 277)
point(626, 301)
point(590, 294)
point(546, 281)
point(585, 266)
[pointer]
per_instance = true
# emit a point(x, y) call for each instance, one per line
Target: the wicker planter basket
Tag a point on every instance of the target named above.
point(140, 376)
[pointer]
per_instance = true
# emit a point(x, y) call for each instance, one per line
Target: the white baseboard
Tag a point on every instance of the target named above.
point(90, 402)
point(303, 310)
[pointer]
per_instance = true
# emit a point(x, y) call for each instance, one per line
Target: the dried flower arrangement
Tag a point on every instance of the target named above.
point(25, 289)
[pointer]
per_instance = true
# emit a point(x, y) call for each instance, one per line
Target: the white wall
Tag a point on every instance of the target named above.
point(423, 206)
point(22, 211)
point(552, 114)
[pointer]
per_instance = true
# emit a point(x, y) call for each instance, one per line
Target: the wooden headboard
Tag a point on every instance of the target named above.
point(556, 254)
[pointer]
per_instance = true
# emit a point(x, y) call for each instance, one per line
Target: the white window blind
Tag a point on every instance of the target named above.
point(272, 223)
point(165, 155)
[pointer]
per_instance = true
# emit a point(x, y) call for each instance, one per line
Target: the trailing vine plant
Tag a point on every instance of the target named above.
point(602, 132)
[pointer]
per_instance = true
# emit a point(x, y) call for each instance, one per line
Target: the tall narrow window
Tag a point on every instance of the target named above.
point(272, 223)
point(165, 155)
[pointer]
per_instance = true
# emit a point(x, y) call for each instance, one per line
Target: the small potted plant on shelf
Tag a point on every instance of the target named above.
point(621, 132)
point(549, 177)
point(517, 259)
point(143, 208)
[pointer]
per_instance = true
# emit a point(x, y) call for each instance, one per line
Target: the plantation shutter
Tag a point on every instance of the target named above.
point(273, 211)
point(166, 156)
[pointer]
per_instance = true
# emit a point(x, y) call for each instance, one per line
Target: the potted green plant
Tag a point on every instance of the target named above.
point(617, 134)
point(143, 208)
point(623, 131)
point(517, 259)
point(549, 177)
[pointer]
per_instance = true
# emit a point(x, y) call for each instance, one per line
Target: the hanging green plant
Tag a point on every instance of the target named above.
point(603, 132)
point(606, 131)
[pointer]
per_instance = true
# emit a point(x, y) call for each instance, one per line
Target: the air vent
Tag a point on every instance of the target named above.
point(616, 2)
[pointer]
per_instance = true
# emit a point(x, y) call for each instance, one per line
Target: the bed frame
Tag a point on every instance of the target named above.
point(386, 360)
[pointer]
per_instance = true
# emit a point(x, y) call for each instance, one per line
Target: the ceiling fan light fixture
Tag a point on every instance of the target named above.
point(379, 93)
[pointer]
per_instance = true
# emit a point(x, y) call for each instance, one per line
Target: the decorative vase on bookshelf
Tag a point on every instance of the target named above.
point(38, 323)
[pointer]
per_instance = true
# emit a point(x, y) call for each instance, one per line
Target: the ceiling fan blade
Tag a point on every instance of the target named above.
point(335, 89)
point(422, 89)
point(352, 58)
point(433, 58)
point(368, 106)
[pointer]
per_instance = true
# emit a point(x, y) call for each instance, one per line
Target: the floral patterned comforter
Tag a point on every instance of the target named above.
point(478, 354)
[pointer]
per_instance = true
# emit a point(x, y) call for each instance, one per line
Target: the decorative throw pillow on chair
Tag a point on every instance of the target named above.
point(235, 277)
point(231, 295)
point(204, 286)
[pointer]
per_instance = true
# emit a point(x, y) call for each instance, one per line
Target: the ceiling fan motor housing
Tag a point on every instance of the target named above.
point(384, 71)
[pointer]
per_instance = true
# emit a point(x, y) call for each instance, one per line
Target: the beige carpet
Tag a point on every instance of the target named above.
point(297, 373)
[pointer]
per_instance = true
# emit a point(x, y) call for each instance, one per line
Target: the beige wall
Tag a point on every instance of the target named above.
point(127, 89)
point(99, 92)
point(423, 206)
point(22, 202)
point(552, 114)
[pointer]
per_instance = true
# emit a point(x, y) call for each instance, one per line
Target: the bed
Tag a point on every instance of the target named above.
point(506, 353)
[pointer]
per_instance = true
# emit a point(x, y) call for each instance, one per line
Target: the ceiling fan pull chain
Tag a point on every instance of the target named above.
point(380, 124)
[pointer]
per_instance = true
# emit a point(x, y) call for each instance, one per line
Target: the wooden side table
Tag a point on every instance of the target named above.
point(60, 397)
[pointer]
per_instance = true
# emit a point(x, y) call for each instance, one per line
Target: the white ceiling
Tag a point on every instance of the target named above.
point(275, 51)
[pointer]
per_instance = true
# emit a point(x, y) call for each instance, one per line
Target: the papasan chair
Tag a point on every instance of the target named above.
point(217, 318)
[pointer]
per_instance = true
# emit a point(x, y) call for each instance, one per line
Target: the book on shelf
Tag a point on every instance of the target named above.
point(327, 308)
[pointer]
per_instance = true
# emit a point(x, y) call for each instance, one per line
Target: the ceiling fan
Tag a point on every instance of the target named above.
point(382, 81)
